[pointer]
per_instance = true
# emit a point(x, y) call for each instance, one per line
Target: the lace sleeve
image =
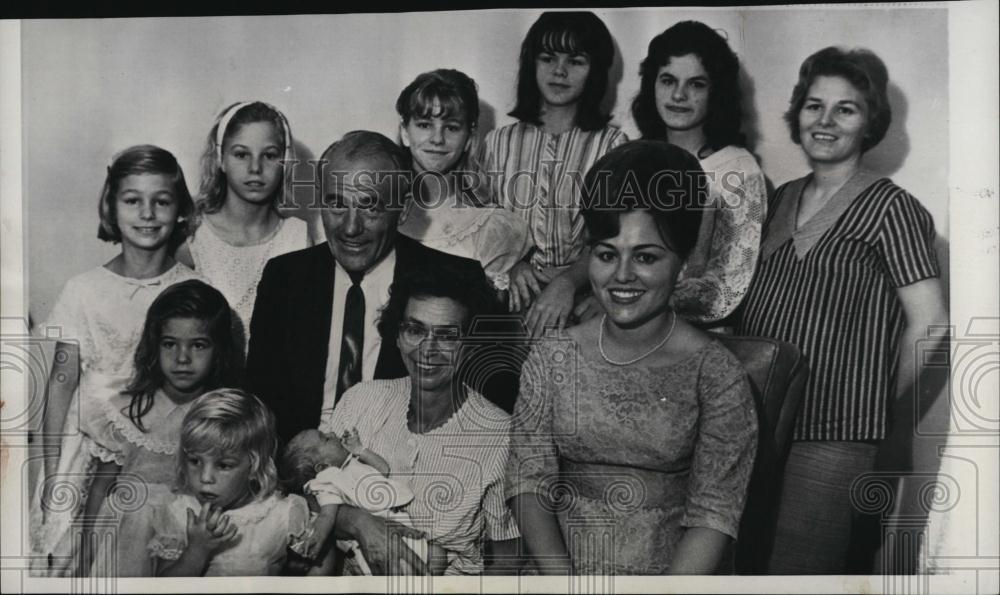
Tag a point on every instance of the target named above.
point(501, 244)
point(107, 444)
point(533, 459)
point(67, 318)
point(725, 447)
point(300, 528)
point(717, 277)
point(168, 533)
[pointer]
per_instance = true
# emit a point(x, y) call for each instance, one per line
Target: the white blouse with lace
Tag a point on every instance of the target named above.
point(266, 528)
point(719, 269)
point(496, 237)
point(236, 270)
point(103, 313)
point(151, 454)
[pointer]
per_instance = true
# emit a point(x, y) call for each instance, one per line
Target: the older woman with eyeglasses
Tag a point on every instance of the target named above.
point(440, 436)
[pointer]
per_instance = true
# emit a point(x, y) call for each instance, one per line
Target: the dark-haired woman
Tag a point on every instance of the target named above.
point(440, 436)
point(690, 96)
point(537, 164)
point(849, 274)
point(634, 435)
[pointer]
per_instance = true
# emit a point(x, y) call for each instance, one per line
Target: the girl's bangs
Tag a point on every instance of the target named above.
point(449, 107)
point(210, 438)
point(564, 41)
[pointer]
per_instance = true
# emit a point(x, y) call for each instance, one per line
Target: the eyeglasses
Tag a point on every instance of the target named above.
point(413, 333)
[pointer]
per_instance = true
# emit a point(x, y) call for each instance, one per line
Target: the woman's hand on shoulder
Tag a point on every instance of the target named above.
point(587, 309)
point(525, 283)
point(553, 307)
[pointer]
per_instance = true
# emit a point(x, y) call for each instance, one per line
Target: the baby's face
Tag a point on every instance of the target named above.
point(326, 447)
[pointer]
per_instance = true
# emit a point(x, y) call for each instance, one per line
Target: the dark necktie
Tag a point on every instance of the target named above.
point(353, 339)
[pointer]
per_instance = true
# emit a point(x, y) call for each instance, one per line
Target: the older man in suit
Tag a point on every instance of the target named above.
point(312, 334)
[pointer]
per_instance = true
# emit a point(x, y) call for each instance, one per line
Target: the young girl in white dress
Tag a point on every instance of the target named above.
point(223, 516)
point(98, 316)
point(536, 165)
point(245, 170)
point(187, 349)
point(451, 209)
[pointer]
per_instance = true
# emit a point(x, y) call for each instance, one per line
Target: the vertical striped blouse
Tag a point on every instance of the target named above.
point(829, 287)
point(538, 175)
point(456, 471)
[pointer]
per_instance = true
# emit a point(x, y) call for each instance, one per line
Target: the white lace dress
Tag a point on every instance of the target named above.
point(496, 237)
point(719, 269)
point(104, 313)
point(236, 270)
point(146, 457)
point(630, 456)
point(266, 528)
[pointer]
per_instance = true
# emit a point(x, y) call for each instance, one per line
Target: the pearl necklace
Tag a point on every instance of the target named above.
point(600, 342)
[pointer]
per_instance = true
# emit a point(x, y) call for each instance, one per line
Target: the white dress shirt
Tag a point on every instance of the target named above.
point(375, 286)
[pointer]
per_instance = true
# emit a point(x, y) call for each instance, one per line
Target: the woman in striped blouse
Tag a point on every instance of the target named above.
point(439, 436)
point(848, 273)
point(536, 166)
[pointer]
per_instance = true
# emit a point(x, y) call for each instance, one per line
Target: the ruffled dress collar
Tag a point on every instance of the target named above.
point(249, 514)
point(163, 423)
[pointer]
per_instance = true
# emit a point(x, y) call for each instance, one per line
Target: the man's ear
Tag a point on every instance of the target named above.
point(403, 134)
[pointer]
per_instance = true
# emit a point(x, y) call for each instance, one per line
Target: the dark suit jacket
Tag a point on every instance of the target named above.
point(290, 330)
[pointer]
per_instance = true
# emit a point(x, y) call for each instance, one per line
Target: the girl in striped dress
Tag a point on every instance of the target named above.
point(536, 165)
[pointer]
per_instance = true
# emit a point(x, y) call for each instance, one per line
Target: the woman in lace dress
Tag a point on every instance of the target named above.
point(634, 436)
point(450, 209)
point(239, 227)
point(690, 96)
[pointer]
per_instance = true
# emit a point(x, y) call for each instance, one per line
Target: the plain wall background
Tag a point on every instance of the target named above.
point(94, 87)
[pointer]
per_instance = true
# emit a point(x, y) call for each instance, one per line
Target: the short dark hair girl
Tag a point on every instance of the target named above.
point(724, 118)
point(568, 32)
point(860, 67)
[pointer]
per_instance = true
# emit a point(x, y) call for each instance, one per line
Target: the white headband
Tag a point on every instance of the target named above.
point(220, 133)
